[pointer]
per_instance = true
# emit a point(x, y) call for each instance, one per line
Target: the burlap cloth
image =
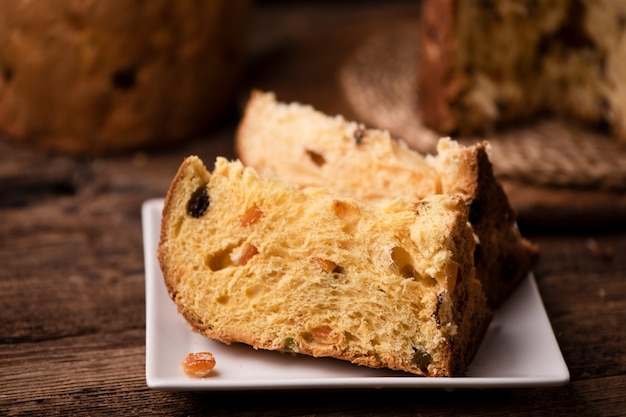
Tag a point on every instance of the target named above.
point(553, 170)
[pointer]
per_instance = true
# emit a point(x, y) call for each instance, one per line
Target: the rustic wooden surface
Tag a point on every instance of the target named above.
point(72, 327)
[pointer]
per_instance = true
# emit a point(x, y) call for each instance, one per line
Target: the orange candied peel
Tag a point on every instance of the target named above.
point(199, 364)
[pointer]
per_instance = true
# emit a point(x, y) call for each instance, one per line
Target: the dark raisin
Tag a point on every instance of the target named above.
point(621, 22)
point(359, 134)
point(198, 203)
point(124, 79)
point(502, 106)
point(317, 158)
point(543, 46)
point(7, 74)
point(603, 126)
point(422, 359)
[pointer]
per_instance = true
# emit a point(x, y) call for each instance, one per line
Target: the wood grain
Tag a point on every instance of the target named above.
point(72, 304)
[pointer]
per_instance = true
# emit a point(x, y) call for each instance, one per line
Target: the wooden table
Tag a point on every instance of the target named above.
point(72, 328)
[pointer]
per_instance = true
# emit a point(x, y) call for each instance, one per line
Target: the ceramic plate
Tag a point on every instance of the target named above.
point(519, 349)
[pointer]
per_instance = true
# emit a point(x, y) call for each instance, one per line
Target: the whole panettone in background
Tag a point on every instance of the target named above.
point(484, 64)
point(93, 77)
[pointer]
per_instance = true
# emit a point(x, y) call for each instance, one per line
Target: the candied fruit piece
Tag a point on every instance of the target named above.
point(251, 216)
point(199, 364)
point(324, 335)
point(242, 256)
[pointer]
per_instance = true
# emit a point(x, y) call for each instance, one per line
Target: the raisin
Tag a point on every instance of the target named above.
point(317, 158)
point(124, 79)
point(422, 359)
point(621, 22)
point(359, 134)
point(502, 106)
point(7, 73)
point(198, 203)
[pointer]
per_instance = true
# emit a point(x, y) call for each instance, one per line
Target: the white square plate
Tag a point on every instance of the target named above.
point(519, 349)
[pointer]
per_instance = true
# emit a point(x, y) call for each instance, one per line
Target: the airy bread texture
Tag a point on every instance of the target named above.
point(488, 63)
point(248, 258)
point(306, 147)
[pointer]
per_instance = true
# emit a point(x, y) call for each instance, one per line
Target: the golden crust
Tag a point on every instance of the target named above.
point(503, 257)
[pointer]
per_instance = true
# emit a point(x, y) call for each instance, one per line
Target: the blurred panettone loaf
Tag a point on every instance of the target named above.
point(306, 147)
point(248, 258)
point(489, 63)
point(103, 76)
